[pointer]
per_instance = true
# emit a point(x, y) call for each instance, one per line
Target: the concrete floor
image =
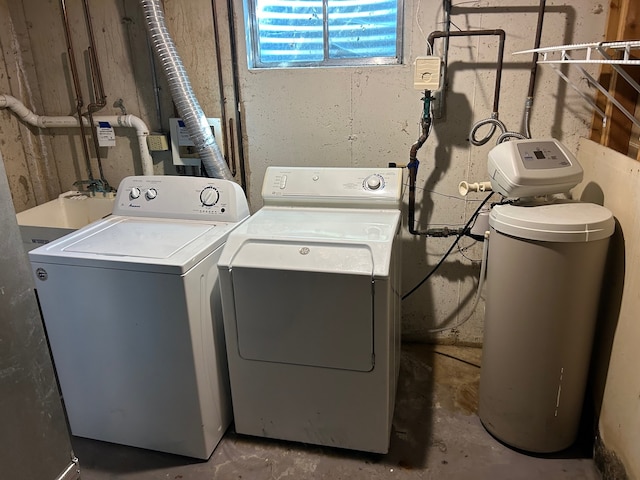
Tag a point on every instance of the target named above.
point(437, 435)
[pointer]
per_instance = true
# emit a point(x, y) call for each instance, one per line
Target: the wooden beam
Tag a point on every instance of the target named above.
point(623, 24)
point(597, 124)
point(618, 130)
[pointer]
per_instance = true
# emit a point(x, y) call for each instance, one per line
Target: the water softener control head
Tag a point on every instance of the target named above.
point(529, 168)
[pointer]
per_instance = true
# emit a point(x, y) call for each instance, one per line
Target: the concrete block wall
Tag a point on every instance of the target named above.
point(356, 116)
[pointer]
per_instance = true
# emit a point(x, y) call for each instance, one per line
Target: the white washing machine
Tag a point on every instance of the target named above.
point(311, 299)
point(132, 310)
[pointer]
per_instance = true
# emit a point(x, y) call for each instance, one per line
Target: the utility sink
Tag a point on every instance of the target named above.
point(69, 212)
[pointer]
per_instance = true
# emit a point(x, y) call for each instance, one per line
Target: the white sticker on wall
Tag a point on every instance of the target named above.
point(106, 135)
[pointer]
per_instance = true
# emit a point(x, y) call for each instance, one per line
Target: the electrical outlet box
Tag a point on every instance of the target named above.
point(183, 150)
point(427, 73)
point(157, 142)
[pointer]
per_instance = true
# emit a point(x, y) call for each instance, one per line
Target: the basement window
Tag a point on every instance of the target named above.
point(315, 33)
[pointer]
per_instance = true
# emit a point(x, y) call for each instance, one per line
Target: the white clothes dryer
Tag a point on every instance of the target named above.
point(311, 299)
point(132, 310)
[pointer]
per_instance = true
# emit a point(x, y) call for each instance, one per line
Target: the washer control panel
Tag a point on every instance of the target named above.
point(346, 187)
point(190, 198)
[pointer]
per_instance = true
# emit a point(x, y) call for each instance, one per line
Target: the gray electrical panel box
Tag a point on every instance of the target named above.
point(183, 151)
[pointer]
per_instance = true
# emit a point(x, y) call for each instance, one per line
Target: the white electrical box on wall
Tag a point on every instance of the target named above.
point(182, 148)
point(427, 73)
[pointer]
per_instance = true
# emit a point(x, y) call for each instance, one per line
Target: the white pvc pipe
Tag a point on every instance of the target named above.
point(125, 121)
point(465, 187)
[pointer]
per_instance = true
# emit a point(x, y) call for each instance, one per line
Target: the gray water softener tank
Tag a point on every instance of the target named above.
point(544, 274)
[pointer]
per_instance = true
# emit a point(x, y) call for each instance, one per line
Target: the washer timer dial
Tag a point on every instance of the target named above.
point(374, 182)
point(209, 196)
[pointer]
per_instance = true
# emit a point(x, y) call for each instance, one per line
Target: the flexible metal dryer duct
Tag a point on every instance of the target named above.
point(181, 92)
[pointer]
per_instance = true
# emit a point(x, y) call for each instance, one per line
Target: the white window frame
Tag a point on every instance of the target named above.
point(252, 42)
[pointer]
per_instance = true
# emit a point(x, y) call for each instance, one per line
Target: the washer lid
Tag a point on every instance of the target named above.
point(557, 222)
point(140, 238)
point(136, 243)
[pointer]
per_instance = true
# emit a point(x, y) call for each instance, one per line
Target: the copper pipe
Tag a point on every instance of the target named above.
point(236, 93)
point(223, 113)
point(98, 88)
point(76, 84)
point(472, 33)
point(96, 77)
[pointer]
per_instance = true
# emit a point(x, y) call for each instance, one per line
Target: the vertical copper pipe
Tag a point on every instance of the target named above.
point(98, 88)
point(223, 110)
point(76, 84)
point(472, 33)
point(236, 92)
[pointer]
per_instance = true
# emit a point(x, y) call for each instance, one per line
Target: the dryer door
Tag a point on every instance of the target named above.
point(305, 304)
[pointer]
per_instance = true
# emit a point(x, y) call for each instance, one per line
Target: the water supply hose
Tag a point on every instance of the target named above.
point(182, 93)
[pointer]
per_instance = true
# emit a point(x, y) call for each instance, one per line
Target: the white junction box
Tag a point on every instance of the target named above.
point(427, 73)
point(182, 148)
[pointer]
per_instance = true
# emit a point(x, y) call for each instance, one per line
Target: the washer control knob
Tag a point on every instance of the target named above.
point(209, 196)
point(373, 182)
point(151, 194)
point(134, 193)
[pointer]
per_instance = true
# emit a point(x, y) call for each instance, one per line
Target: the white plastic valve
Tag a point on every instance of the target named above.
point(465, 187)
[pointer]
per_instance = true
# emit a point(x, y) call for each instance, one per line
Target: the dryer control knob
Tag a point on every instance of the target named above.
point(151, 194)
point(373, 182)
point(135, 193)
point(209, 196)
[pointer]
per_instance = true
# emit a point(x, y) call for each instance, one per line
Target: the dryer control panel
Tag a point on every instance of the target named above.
point(180, 197)
point(333, 186)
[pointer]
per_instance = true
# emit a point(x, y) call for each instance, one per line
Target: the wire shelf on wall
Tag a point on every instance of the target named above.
point(603, 53)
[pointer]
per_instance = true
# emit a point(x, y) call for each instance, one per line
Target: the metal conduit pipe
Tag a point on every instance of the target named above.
point(441, 105)
point(182, 93)
point(534, 68)
point(43, 121)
